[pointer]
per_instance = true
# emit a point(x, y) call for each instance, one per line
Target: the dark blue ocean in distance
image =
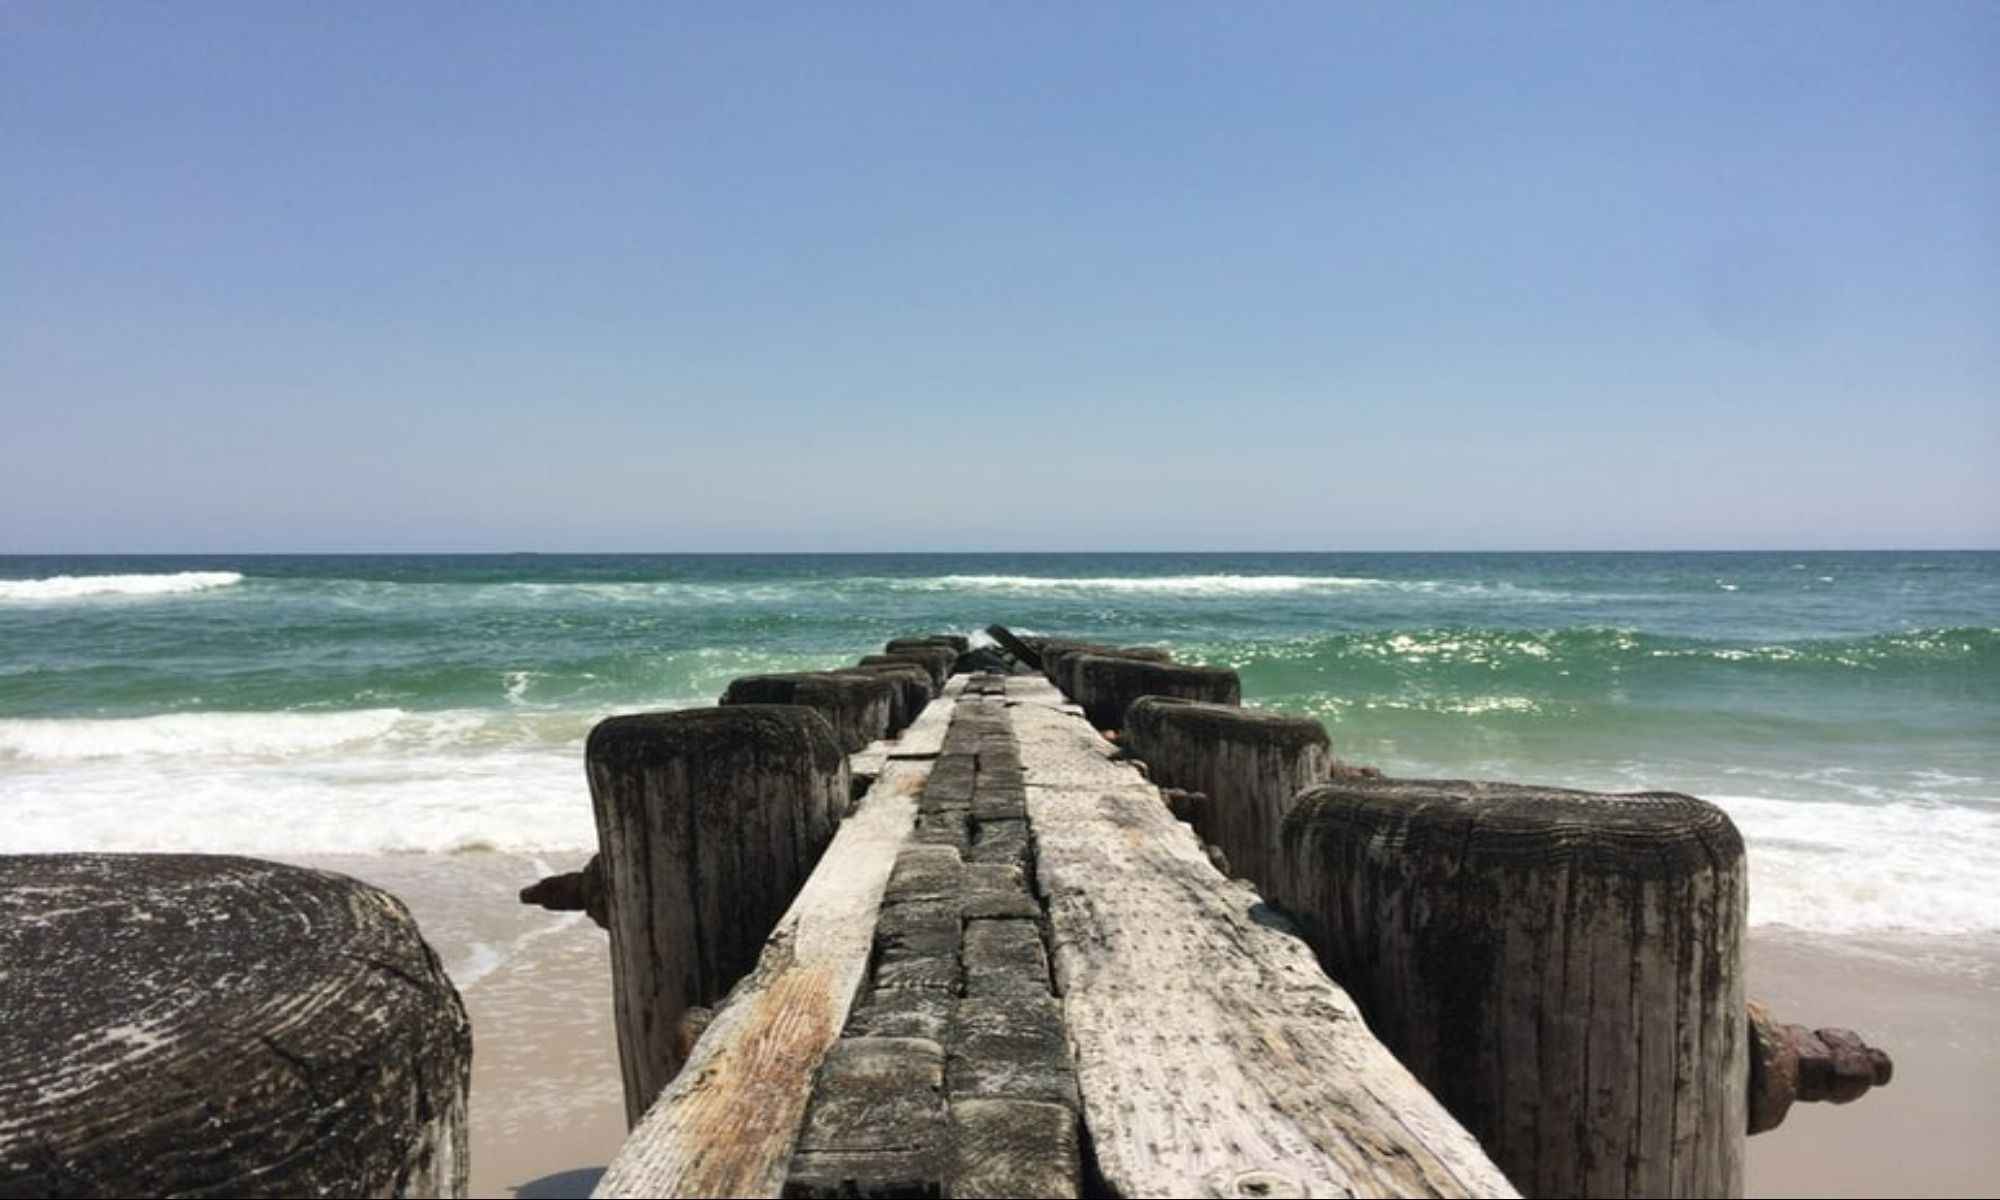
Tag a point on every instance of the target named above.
point(1845, 707)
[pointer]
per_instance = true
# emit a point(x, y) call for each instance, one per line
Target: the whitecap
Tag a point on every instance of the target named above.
point(260, 734)
point(1900, 866)
point(58, 588)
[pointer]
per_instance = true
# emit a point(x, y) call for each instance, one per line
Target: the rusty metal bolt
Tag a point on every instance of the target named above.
point(1790, 1063)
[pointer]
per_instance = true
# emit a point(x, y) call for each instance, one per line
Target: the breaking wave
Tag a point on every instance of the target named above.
point(81, 587)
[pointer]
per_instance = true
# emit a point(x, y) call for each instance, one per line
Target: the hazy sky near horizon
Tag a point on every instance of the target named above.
point(1121, 276)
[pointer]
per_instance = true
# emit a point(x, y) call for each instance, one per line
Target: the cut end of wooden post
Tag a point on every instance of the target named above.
point(152, 992)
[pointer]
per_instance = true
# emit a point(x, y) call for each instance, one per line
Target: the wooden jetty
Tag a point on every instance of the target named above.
point(1073, 922)
point(1207, 958)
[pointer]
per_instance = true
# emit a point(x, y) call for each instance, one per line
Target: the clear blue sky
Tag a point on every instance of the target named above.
point(1133, 276)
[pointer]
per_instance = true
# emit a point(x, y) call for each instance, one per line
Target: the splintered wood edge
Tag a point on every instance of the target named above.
point(1210, 1046)
point(726, 1124)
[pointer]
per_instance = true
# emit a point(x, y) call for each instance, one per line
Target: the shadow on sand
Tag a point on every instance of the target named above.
point(560, 1186)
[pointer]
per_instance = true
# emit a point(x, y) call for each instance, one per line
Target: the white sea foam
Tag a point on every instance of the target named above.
point(1835, 868)
point(1180, 584)
point(368, 782)
point(79, 587)
point(199, 734)
point(345, 798)
point(1222, 585)
point(1917, 855)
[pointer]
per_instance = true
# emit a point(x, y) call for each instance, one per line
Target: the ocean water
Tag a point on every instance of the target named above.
point(1844, 708)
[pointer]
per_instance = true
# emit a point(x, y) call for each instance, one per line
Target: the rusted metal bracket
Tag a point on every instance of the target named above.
point(1792, 1063)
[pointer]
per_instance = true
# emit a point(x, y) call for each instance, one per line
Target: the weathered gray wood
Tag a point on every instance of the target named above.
point(197, 1025)
point(938, 660)
point(860, 707)
point(1564, 969)
point(1106, 686)
point(958, 643)
point(1057, 654)
point(1049, 649)
point(1062, 667)
point(925, 739)
point(912, 681)
point(727, 1124)
point(1010, 1148)
point(1014, 645)
point(1248, 762)
point(877, 1124)
point(1214, 1057)
point(708, 822)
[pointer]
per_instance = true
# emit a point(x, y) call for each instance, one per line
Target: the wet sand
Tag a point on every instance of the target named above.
point(548, 1107)
point(1934, 1005)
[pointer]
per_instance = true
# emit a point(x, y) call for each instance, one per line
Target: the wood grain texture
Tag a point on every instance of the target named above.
point(925, 738)
point(913, 685)
point(1564, 969)
point(937, 659)
point(1107, 686)
point(197, 1025)
point(1214, 1056)
point(1058, 661)
point(1249, 763)
point(860, 707)
point(728, 1123)
point(922, 740)
point(708, 822)
point(1025, 654)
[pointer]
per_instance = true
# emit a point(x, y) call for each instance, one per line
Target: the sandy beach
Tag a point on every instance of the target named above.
point(547, 1107)
point(1934, 1004)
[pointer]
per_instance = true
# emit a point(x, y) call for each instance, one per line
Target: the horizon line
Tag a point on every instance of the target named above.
point(962, 553)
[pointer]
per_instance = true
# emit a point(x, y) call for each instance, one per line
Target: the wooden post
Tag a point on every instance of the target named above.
point(1250, 764)
point(1563, 969)
point(181, 1024)
point(1054, 652)
point(958, 643)
point(1062, 663)
point(860, 707)
point(708, 822)
point(727, 1126)
point(1107, 686)
point(938, 660)
point(913, 686)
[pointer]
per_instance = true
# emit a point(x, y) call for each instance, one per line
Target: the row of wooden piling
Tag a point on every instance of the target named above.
point(1563, 969)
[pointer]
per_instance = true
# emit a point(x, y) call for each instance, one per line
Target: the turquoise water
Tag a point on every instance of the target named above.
point(1844, 707)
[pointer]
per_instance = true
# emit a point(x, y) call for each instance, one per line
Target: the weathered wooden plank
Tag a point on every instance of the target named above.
point(1026, 654)
point(1214, 1056)
point(925, 738)
point(728, 1123)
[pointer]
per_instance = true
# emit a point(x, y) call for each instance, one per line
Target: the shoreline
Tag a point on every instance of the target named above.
point(547, 1108)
